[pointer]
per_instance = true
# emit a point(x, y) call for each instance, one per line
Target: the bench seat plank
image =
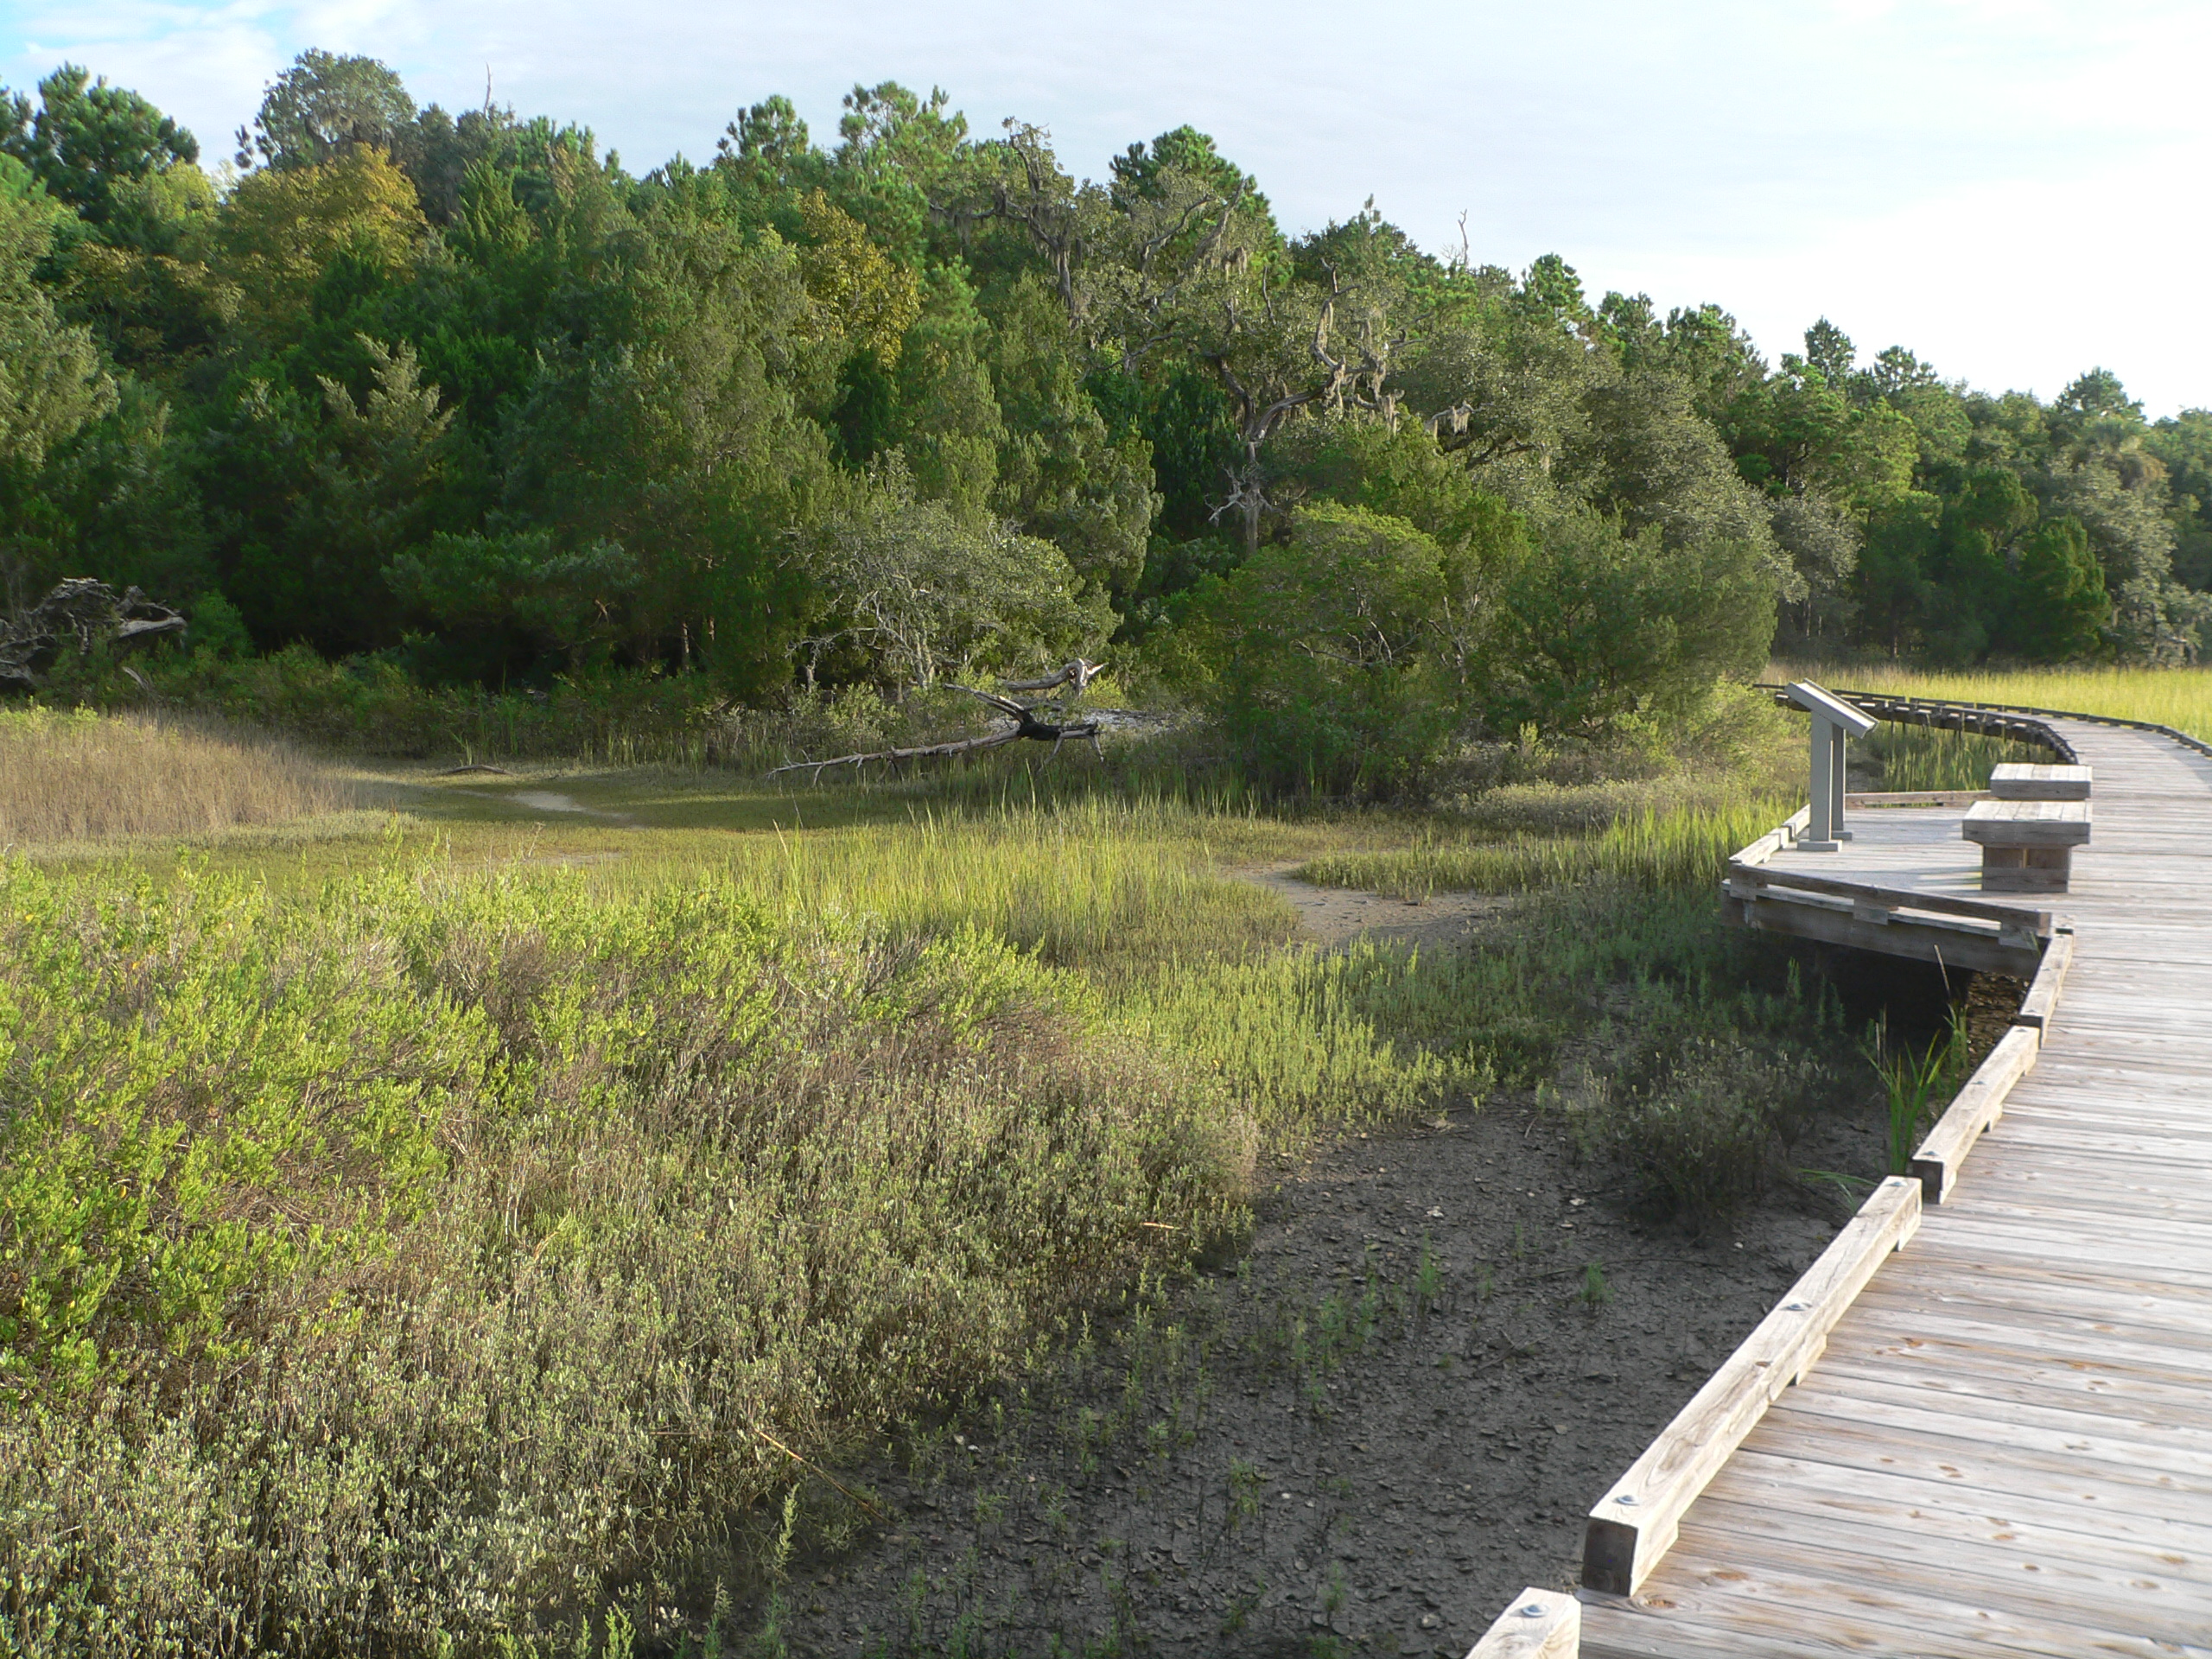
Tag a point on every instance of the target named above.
point(2027, 824)
point(2016, 782)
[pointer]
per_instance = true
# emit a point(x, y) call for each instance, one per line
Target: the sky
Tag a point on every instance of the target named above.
point(2015, 191)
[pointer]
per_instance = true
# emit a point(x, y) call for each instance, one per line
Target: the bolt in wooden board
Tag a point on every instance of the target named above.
point(1540, 1624)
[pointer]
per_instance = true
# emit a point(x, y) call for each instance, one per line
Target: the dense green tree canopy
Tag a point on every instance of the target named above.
point(460, 392)
point(86, 139)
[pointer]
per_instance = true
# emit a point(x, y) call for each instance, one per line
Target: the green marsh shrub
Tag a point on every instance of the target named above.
point(1316, 656)
point(1704, 1130)
point(433, 1259)
point(1597, 622)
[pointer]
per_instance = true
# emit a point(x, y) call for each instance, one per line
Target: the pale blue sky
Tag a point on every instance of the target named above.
point(2016, 191)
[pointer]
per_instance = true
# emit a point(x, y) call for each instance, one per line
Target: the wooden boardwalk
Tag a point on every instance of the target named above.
point(2007, 1448)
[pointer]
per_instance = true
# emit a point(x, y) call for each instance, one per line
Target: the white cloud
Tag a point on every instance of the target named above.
point(2005, 186)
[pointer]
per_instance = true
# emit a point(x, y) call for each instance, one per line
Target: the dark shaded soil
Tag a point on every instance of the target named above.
point(1365, 1436)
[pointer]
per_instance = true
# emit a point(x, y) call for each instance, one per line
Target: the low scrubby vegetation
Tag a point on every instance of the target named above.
point(423, 1259)
point(431, 1255)
point(1703, 1120)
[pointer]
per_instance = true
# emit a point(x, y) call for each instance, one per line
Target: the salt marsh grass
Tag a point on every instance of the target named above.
point(2179, 697)
point(83, 777)
point(1918, 758)
point(1109, 886)
point(1651, 851)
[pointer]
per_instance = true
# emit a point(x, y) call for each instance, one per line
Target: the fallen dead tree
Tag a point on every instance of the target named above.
point(83, 612)
point(1052, 723)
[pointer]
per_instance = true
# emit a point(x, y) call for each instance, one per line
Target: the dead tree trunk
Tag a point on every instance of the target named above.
point(83, 612)
point(1046, 722)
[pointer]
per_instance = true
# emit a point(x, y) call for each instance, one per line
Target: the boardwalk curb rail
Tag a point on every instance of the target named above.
point(1933, 927)
point(1980, 1102)
point(1540, 1624)
point(1916, 706)
point(1632, 1526)
point(2009, 921)
point(2040, 1005)
point(1944, 928)
point(1985, 720)
point(1956, 712)
point(1978, 1105)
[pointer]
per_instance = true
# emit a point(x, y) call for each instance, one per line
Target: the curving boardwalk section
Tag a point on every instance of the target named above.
point(2007, 1448)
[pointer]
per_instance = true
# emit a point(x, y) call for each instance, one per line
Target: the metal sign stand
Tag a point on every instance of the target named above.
point(1834, 723)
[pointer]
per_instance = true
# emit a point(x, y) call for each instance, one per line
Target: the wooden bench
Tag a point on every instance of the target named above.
point(2027, 846)
point(2020, 782)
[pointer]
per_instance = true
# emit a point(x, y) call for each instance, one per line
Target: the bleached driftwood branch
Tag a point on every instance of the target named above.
point(1046, 722)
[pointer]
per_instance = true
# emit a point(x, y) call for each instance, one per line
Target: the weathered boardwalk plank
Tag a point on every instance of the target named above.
point(2006, 1447)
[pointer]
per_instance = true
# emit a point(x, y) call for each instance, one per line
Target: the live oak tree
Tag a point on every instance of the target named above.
point(324, 104)
point(919, 591)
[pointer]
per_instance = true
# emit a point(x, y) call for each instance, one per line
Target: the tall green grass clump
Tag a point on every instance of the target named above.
point(1306, 1039)
point(1092, 882)
point(1651, 851)
point(432, 1260)
point(1931, 758)
point(1914, 1083)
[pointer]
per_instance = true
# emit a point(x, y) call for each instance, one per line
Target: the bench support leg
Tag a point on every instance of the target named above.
point(2026, 869)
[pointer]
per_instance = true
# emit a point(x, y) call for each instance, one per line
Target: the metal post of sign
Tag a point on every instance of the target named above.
point(1834, 723)
point(1816, 838)
point(1837, 787)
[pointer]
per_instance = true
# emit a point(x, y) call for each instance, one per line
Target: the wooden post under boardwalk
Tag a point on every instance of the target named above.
point(1834, 723)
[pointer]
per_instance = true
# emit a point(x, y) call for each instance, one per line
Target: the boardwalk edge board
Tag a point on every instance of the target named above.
point(1943, 928)
point(1882, 797)
point(1930, 711)
point(1984, 719)
point(1978, 1105)
point(1990, 719)
point(1633, 1525)
point(1540, 1624)
point(2038, 1007)
point(2008, 922)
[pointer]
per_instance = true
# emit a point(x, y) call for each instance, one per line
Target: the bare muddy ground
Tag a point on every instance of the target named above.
point(1338, 915)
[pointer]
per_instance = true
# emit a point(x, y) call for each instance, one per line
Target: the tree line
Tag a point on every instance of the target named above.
point(460, 393)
